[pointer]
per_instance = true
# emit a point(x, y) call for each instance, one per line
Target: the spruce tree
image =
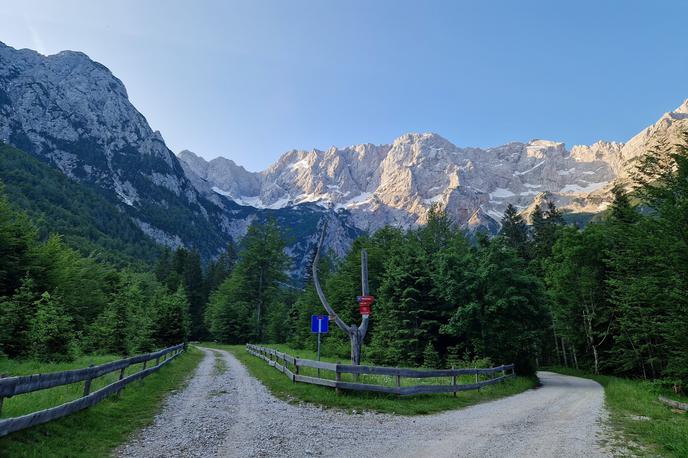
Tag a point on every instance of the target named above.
point(17, 238)
point(253, 288)
point(514, 229)
point(16, 313)
point(505, 316)
point(51, 335)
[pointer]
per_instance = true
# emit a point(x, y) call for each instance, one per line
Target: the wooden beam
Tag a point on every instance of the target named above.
point(675, 404)
point(10, 425)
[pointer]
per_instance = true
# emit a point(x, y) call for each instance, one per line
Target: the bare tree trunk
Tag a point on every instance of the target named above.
point(260, 305)
point(356, 333)
point(556, 342)
point(563, 351)
point(575, 358)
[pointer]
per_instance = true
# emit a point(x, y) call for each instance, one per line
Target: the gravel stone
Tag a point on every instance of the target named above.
point(234, 415)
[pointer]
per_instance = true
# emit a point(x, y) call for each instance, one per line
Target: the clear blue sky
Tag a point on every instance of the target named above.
point(250, 80)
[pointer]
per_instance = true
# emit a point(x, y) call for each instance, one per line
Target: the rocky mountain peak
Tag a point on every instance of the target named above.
point(73, 113)
point(397, 183)
point(681, 112)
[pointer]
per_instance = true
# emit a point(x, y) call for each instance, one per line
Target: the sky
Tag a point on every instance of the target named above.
point(250, 80)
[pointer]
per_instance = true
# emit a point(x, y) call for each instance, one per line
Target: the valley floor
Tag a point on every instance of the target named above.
point(226, 412)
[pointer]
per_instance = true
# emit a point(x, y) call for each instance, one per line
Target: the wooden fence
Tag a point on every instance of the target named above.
point(283, 361)
point(12, 386)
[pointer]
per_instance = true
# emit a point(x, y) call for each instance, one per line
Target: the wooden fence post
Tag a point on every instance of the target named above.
point(337, 377)
point(87, 384)
point(454, 382)
point(398, 382)
point(121, 376)
point(1, 398)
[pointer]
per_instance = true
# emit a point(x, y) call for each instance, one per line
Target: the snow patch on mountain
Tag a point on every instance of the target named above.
point(398, 183)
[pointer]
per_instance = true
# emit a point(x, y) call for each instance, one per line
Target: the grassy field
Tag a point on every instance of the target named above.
point(284, 389)
point(648, 427)
point(95, 431)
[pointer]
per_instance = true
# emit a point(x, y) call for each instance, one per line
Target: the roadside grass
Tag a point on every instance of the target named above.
point(639, 417)
point(98, 430)
point(356, 402)
point(220, 365)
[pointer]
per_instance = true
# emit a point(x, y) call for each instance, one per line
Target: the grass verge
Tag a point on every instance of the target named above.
point(639, 417)
point(283, 388)
point(220, 365)
point(100, 429)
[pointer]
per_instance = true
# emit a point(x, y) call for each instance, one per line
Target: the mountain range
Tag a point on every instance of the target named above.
point(74, 115)
point(397, 183)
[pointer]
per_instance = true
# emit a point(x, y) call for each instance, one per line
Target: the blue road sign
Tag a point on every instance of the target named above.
point(319, 324)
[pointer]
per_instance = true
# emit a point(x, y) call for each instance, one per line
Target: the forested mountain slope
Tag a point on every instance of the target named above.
point(75, 115)
point(85, 219)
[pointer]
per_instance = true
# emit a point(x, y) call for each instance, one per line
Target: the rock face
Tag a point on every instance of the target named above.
point(224, 173)
point(74, 114)
point(398, 183)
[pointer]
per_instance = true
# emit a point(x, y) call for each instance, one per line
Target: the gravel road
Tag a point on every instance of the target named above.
point(231, 414)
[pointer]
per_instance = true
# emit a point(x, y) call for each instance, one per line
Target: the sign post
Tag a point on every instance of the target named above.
point(356, 333)
point(364, 304)
point(319, 325)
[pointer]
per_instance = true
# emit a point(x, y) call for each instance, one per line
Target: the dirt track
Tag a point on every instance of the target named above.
point(232, 414)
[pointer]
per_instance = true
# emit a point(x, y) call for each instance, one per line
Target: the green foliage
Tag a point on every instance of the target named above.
point(237, 310)
point(125, 326)
point(514, 229)
point(619, 289)
point(16, 237)
point(55, 302)
point(57, 204)
point(183, 267)
point(14, 322)
point(172, 323)
point(219, 269)
point(504, 315)
point(408, 315)
point(431, 359)
point(51, 336)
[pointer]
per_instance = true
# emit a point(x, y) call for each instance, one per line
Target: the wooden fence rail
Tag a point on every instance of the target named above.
point(12, 386)
point(283, 361)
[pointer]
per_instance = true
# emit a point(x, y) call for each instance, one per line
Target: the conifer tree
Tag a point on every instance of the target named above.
point(52, 334)
point(172, 321)
point(505, 316)
point(16, 313)
point(17, 238)
point(515, 229)
point(431, 359)
point(247, 295)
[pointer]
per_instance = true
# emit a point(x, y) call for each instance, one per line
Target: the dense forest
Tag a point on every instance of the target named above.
point(611, 297)
point(56, 303)
point(84, 218)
